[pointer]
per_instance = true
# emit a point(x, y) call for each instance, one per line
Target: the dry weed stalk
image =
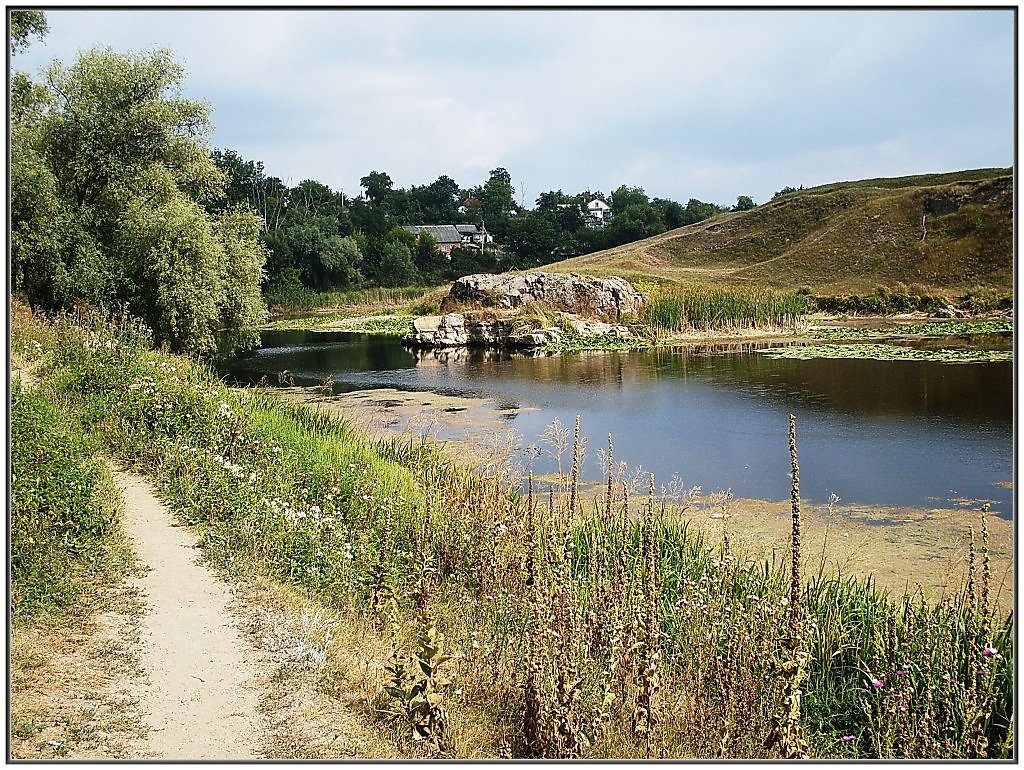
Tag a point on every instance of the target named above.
point(787, 730)
point(645, 716)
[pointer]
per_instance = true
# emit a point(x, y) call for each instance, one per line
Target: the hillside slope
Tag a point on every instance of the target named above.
point(948, 232)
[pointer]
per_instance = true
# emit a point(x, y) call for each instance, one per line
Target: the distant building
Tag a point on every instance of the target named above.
point(469, 203)
point(598, 213)
point(474, 236)
point(448, 237)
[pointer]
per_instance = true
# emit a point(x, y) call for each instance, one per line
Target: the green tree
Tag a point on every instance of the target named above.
point(531, 239)
point(639, 220)
point(396, 264)
point(497, 201)
point(672, 213)
point(428, 258)
point(242, 178)
point(25, 25)
point(377, 185)
point(624, 197)
point(698, 211)
point(744, 203)
point(324, 258)
point(110, 174)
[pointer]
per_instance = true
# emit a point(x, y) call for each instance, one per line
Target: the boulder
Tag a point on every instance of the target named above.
point(456, 330)
point(585, 295)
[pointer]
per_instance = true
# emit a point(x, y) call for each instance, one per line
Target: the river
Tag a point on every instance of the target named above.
point(894, 433)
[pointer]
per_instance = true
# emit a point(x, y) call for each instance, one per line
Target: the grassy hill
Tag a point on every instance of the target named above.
point(948, 233)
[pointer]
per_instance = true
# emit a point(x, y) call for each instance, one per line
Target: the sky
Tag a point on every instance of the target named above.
point(684, 103)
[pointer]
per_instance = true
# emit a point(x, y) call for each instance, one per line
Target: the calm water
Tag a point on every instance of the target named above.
point(915, 433)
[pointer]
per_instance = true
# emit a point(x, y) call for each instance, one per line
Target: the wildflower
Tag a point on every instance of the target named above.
point(900, 672)
point(989, 652)
point(849, 738)
point(877, 684)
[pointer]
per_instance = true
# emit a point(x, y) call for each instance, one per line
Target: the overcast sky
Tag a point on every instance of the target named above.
point(684, 103)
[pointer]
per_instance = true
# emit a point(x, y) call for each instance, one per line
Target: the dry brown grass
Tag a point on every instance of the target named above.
point(838, 239)
point(69, 680)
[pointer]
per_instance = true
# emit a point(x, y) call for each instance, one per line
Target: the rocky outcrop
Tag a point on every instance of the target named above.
point(609, 298)
point(456, 330)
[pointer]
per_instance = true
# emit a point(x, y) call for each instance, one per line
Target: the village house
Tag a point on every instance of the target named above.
point(448, 237)
point(469, 203)
point(598, 213)
point(474, 236)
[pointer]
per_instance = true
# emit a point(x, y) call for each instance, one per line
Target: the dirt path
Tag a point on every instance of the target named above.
point(198, 690)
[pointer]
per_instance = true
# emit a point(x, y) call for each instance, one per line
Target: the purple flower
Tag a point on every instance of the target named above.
point(988, 652)
point(877, 683)
point(900, 672)
point(849, 738)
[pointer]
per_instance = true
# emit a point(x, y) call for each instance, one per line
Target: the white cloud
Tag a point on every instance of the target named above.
point(684, 103)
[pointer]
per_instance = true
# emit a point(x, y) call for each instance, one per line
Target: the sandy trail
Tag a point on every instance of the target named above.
point(200, 698)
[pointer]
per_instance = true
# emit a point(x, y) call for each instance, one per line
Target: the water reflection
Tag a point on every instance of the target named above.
point(887, 432)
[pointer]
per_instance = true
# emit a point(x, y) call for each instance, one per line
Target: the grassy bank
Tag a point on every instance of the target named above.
point(539, 625)
point(67, 558)
point(64, 533)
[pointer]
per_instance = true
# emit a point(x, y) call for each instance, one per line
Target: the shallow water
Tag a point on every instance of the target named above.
point(906, 433)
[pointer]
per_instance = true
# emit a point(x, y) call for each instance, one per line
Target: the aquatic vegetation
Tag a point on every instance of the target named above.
point(927, 329)
point(881, 352)
point(388, 326)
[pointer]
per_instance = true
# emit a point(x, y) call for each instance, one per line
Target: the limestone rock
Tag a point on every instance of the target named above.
point(584, 295)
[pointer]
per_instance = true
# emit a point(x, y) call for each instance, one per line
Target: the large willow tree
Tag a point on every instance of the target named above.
point(110, 180)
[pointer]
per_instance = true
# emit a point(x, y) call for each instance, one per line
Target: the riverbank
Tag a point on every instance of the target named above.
point(550, 625)
point(815, 329)
point(897, 547)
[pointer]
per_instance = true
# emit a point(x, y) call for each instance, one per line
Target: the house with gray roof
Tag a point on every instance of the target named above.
point(447, 236)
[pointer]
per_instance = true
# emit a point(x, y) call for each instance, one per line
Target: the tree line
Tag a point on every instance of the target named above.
point(319, 238)
point(118, 201)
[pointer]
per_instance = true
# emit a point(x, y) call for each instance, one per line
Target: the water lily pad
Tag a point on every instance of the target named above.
point(880, 352)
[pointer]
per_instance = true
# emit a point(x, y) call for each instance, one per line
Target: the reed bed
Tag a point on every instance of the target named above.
point(547, 624)
point(704, 307)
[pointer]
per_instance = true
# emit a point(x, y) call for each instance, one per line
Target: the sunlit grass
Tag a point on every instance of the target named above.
point(703, 307)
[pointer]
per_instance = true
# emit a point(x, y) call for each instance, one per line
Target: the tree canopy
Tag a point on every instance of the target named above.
point(25, 25)
point(112, 181)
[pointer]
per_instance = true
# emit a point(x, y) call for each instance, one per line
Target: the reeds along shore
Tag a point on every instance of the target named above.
point(703, 307)
point(543, 624)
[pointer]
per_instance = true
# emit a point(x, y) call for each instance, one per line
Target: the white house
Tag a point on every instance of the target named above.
point(474, 236)
point(598, 212)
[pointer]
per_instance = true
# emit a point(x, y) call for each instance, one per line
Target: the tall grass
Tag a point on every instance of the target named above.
point(548, 624)
point(703, 307)
point(63, 507)
point(292, 299)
